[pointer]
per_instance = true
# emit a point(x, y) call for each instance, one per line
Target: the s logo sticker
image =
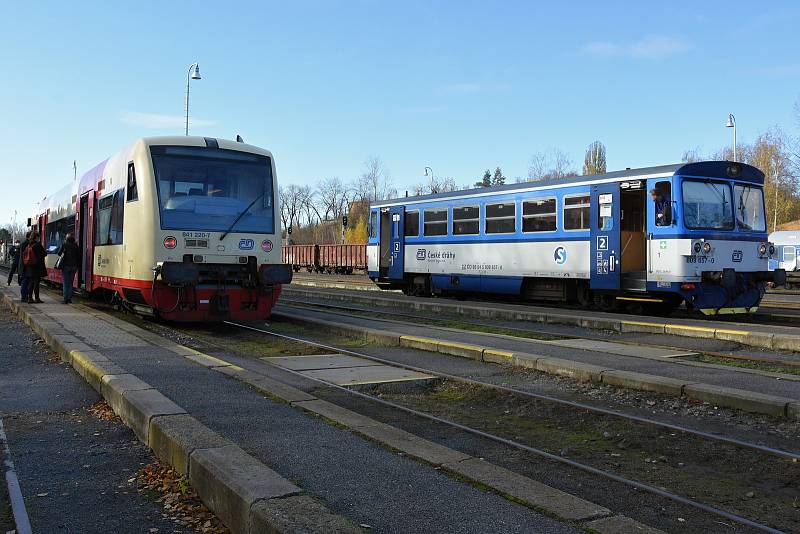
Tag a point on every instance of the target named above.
point(560, 255)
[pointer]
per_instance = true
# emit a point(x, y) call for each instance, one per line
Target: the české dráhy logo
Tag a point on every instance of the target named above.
point(560, 255)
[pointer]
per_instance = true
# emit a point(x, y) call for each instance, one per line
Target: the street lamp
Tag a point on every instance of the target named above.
point(732, 124)
point(192, 74)
point(427, 169)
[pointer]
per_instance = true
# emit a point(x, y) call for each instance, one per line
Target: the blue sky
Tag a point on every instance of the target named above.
point(457, 86)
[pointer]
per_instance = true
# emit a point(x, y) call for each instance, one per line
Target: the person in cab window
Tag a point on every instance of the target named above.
point(663, 208)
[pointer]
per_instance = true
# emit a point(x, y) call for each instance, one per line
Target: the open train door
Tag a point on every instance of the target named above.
point(604, 224)
point(397, 216)
point(85, 224)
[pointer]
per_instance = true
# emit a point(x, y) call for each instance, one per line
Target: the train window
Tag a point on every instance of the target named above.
point(466, 220)
point(707, 205)
point(412, 224)
point(373, 225)
point(501, 218)
point(539, 215)
point(110, 214)
point(576, 212)
point(56, 232)
point(435, 222)
point(662, 196)
point(788, 254)
point(133, 191)
point(749, 208)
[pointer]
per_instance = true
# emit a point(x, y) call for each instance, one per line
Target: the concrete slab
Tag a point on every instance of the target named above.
point(619, 524)
point(336, 413)
point(619, 348)
point(413, 445)
point(749, 401)
point(230, 481)
point(645, 382)
point(375, 374)
point(174, 438)
point(319, 361)
point(138, 407)
point(300, 513)
point(528, 490)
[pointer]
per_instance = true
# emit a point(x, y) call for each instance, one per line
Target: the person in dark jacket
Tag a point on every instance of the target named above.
point(23, 289)
point(14, 253)
point(34, 272)
point(70, 258)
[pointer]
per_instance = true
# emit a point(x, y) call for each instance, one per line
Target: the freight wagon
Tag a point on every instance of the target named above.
point(339, 259)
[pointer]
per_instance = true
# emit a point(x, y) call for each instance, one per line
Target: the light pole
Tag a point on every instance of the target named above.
point(732, 124)
point(192, 74)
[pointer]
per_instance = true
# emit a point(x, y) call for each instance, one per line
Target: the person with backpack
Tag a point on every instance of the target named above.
point(33, 268)
point(69, 258)
point(14, 253)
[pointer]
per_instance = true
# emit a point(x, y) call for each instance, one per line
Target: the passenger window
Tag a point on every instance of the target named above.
point(133, 192)
point(788, 254)
point(576, 213)
point(412, 224)
point(501, 218)
point(435, 222)
point(539, 215)
point(466, 220)
point(662, 198)
point(373, 225)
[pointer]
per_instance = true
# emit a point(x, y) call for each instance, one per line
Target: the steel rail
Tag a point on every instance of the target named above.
point(539, 452)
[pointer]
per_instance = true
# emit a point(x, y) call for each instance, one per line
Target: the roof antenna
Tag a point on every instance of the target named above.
point(239, 139)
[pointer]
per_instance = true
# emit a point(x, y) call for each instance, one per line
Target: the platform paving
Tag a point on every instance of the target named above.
point(352, 476)
point(666, 367)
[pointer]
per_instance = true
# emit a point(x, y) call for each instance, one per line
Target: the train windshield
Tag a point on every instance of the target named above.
point(707, 205)
point(208, 189)
point(749, 208)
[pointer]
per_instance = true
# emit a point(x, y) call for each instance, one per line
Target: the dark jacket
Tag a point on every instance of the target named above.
point(72, 255)
point(38, 269)
point(14, 254)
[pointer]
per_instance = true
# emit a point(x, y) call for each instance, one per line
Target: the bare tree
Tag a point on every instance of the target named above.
point(374, 183)
point(291, 198)
point(692, 155)
point(435, 185)
point(333, 195)
point(554, 163)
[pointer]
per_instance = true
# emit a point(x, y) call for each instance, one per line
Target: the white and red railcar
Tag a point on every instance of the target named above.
point(184, 228)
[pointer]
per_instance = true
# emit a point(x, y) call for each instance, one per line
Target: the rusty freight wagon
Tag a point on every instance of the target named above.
point(339, 259)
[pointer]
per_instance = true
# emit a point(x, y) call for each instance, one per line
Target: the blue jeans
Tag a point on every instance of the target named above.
point(68, 274)
point(23, 289)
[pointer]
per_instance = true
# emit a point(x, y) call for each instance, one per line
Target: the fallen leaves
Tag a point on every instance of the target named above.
point(179, 500)
point(102, 410)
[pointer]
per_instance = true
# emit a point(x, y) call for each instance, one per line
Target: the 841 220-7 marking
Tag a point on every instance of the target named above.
point(699, 259)
point(197, 234)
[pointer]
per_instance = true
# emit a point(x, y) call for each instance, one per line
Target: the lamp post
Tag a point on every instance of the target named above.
point(732, 124)
point(192, 74)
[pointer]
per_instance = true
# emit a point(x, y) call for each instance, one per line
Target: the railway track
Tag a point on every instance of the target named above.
point(713, 509)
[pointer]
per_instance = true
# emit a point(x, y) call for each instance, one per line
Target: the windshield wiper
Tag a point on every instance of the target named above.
point(238, 218)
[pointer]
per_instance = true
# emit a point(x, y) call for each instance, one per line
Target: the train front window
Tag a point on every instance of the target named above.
point(749, 208)
point(208, 189)
point(707, 205)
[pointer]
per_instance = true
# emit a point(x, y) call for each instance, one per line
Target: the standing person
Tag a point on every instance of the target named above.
point(70, 257)
point(34, 268)
point(21, 276)
point(14, 253)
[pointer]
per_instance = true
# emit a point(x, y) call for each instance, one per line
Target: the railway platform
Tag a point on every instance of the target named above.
point(622, 364)
point(260, 449)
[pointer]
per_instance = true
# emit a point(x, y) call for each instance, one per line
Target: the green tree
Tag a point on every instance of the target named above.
point(486, 181)
point(595, 160)
point(498, 178)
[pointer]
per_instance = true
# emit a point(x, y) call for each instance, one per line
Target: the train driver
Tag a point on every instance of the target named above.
point(663, 208)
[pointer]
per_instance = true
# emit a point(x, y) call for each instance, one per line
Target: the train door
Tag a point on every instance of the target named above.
point(604, 224)
point(85, 225)
point(384, 247)
point(397, 242)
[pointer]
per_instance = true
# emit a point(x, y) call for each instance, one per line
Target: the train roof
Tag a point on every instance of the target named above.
point(705, 169)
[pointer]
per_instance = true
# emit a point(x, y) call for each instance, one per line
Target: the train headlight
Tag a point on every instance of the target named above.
point(706, 247)
point(762, 249)
point(771, 249)
point(698, 247)
point(170, 242)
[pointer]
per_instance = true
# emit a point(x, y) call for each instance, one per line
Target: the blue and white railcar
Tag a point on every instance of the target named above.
point(787, 255)
point(596, 240)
